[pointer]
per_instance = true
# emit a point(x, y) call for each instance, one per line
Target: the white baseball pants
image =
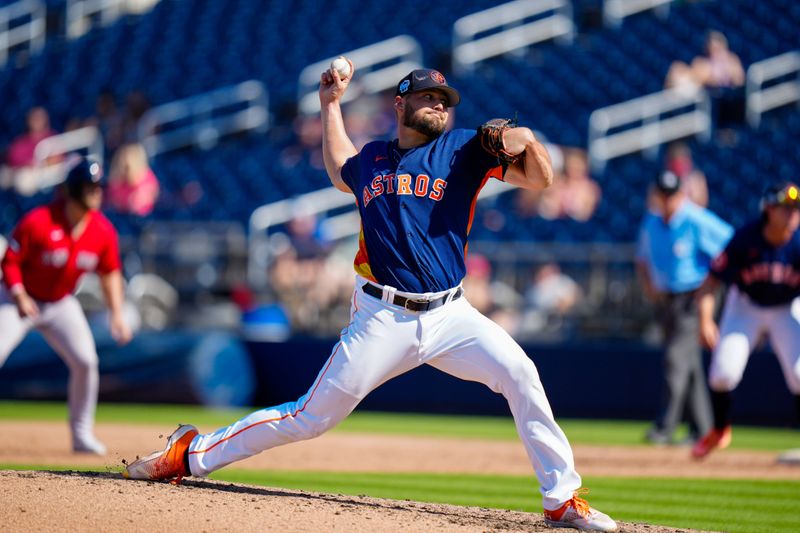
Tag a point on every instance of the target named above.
point(740, 327)
point(383, 341)
point(64, 327)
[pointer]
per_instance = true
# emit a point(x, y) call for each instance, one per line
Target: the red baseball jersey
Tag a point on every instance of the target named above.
point(48, 262)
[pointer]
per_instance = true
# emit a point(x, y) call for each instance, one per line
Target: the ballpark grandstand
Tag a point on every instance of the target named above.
point(222, 97)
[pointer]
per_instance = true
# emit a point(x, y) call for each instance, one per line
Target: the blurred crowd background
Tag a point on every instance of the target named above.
point(213, 155)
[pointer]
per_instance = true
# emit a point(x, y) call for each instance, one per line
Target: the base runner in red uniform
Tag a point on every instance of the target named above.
point(49, 250)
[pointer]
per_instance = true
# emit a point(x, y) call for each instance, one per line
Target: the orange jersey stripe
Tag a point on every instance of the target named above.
point(361, 262)
point(494, 172)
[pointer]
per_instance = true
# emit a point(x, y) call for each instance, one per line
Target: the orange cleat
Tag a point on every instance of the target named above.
point(168, 464)
point(577, 514)
point(714, 439)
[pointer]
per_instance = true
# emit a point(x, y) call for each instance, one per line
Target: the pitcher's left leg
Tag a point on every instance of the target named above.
point(474, 348)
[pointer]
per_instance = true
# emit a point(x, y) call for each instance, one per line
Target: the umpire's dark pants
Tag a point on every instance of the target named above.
point(685, 390)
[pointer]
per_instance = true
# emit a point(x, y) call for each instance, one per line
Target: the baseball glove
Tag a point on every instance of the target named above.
point(491, 135)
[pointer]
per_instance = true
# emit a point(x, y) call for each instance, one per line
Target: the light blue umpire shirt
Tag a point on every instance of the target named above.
point(678, 254)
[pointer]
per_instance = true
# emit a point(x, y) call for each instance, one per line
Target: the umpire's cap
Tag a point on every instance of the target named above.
point(668, 183)
point(86, 171)
point(425, 79)
point(785, 193)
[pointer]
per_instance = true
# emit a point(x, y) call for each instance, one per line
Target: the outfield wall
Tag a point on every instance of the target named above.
point(601, 379)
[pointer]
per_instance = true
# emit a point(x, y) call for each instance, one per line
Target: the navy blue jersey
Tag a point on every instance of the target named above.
point(416, 209)
point(768, 275)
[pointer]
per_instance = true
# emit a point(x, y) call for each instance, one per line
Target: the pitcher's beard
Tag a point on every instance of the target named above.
point(425, 125)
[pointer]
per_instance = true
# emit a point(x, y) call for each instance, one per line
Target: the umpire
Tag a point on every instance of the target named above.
point(675, 249)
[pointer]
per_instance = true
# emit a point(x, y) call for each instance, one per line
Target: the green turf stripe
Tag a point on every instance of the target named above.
point(597, 432)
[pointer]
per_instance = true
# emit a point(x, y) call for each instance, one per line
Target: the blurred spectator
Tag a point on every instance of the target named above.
point(136, 105)
point(308, 144)
point(553, 291)
point(21, 173)
point(693, 181)
point(304, 281)
point(549, 301)
point(675, 249)
point(581, 193)
point(680, 76)
point(719, 67)
point(720, 71)
point(108, 120)
point(21, 151)
point(132, 186)
point(493, 298)
point(574, 194)
point(678, 161)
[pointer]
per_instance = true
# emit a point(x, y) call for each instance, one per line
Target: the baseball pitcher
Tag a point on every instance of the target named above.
point(416, 196)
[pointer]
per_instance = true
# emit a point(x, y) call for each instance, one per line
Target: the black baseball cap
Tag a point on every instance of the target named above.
point(424, 79)
point(668, 183)
point(785, 193)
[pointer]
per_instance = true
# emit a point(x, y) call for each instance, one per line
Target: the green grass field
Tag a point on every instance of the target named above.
point(708, 504)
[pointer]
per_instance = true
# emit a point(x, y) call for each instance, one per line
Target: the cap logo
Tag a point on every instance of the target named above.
point(404, 85)
point(437, 77)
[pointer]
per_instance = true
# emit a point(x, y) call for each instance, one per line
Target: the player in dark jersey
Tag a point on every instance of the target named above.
point(416, 196)
point(762, 266)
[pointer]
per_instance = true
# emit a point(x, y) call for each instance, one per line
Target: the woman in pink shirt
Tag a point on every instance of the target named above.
point(132, 186)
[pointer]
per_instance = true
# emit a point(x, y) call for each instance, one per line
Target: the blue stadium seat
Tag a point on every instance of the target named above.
point(554, 88)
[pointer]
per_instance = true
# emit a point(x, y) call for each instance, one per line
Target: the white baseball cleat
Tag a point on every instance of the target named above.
point(577, 514)
point(168, 464)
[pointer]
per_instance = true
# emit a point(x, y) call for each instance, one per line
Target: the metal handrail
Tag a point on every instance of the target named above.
point(31, 32)
point(511, 31)
point(89, 139)
point(80, 13)
point(649, 128)
point(380, 66)
point(760, 98)
point(615, 11)
point(209, 115)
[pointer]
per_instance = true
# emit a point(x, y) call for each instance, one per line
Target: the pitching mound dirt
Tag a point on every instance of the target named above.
point(93, 501)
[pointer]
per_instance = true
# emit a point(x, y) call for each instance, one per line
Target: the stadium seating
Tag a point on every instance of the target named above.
point(184, 48)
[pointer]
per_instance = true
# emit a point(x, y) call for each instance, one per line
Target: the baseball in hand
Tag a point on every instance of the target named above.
point(341, 66)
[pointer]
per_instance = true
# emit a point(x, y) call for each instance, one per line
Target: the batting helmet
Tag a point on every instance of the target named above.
point(86, 171)
point(785, 193)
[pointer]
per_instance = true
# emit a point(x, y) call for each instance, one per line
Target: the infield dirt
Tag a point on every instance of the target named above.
point(103, 501)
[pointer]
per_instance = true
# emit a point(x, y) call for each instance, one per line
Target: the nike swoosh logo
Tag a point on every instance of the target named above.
point(380, 157)
point(423, 78)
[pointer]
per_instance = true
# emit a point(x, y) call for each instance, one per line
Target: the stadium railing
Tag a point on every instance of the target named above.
point(647, 122)
point(22, 24)
point(50, 163)
point(202, 119)
point(82, 14)
point(772, 83)
point(514, 28)
point(380, 65)
point(615, 11)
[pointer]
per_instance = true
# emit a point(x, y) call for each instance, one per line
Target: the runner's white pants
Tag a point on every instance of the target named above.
point(383, 341)
point(64, 327)
point(742, 323)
